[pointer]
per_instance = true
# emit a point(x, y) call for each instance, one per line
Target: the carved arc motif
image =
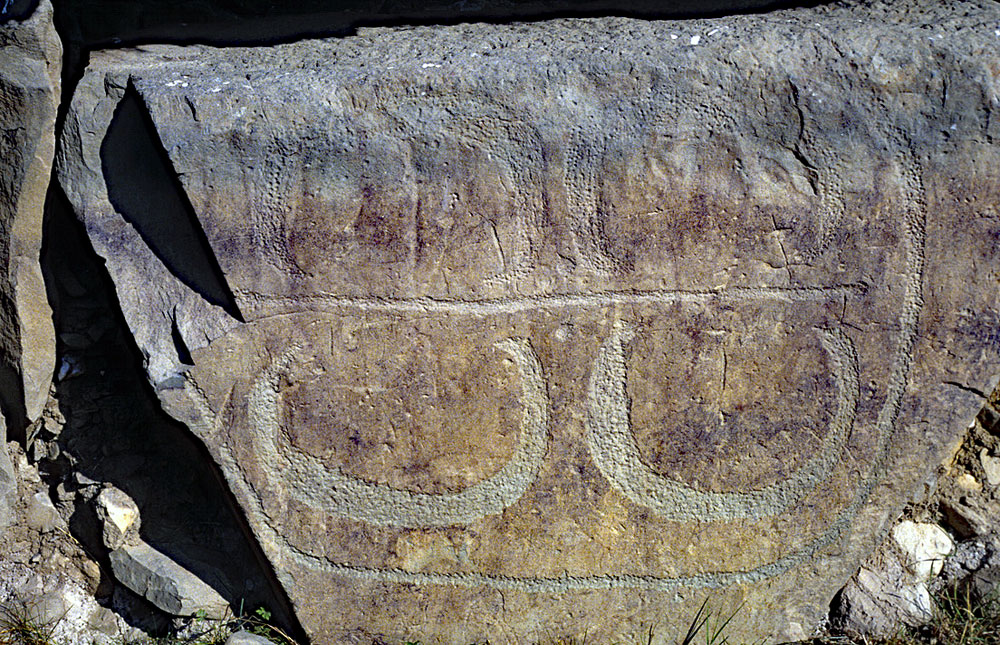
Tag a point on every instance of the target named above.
point(335, 492)
point(616, 454)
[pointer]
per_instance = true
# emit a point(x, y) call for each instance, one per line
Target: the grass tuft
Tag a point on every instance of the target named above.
point(959, 619)
point(20, 625)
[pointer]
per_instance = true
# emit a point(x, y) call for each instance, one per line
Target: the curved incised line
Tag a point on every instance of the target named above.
point(330, 490)
point(616, 453)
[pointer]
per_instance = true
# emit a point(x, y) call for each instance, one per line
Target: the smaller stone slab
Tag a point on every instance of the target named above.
point(8, 483)
point(164, 583)
point(30, 68)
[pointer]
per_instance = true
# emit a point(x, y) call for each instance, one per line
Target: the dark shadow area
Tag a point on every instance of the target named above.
point(115, 433)
point(16, 9)
point(11, 386)
point(145, 190)
point(183, 353)
point(12, 407)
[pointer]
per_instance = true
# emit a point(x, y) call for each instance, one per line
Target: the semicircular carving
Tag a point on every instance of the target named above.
point(616, 453)
point(330, 490)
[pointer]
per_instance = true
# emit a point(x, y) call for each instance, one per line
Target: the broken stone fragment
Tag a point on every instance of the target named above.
point(164, 583)
point(880, 599)
point(105, 621)
point(989, 417)
point(890, 590)
point(968, 483)
point(42, 515)
point(982, 584)
point(119, 516)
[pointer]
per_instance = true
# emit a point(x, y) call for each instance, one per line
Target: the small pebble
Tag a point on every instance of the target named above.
point(991, 466)
point(968, 482)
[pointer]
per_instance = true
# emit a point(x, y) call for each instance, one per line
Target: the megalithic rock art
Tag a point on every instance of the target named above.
point(511, 332)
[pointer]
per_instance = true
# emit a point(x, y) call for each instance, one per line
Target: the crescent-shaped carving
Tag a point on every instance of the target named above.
point(616, 453)
point(329, 489)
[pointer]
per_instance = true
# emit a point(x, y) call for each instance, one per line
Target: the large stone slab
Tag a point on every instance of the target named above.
point(527, 331)
point(30, 65)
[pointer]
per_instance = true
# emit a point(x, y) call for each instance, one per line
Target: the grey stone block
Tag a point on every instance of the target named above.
point(243, 637)
point(164, 582)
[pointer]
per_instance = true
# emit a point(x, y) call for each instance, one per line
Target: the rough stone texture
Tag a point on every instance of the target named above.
point(165, 583)
point(530, 331)
point(104, 427)
point(30, 59)
point(894, 588)
point(97, 24)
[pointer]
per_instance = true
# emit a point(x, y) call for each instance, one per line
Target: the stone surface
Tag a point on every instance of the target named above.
point(893, 588)
point(119, 516)
point(968, 557)
point(8, 490)
point(969, 483)
point(113, 432)
point(984, 581)
point(925, 546)
point(530, 331)
point(164, 583)
point(30, 65)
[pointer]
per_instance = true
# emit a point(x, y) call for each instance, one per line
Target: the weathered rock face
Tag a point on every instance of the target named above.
point(515, 332)
point(30, 59)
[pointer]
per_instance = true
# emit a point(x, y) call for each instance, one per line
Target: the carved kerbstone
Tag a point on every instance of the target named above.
point(524, 331)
